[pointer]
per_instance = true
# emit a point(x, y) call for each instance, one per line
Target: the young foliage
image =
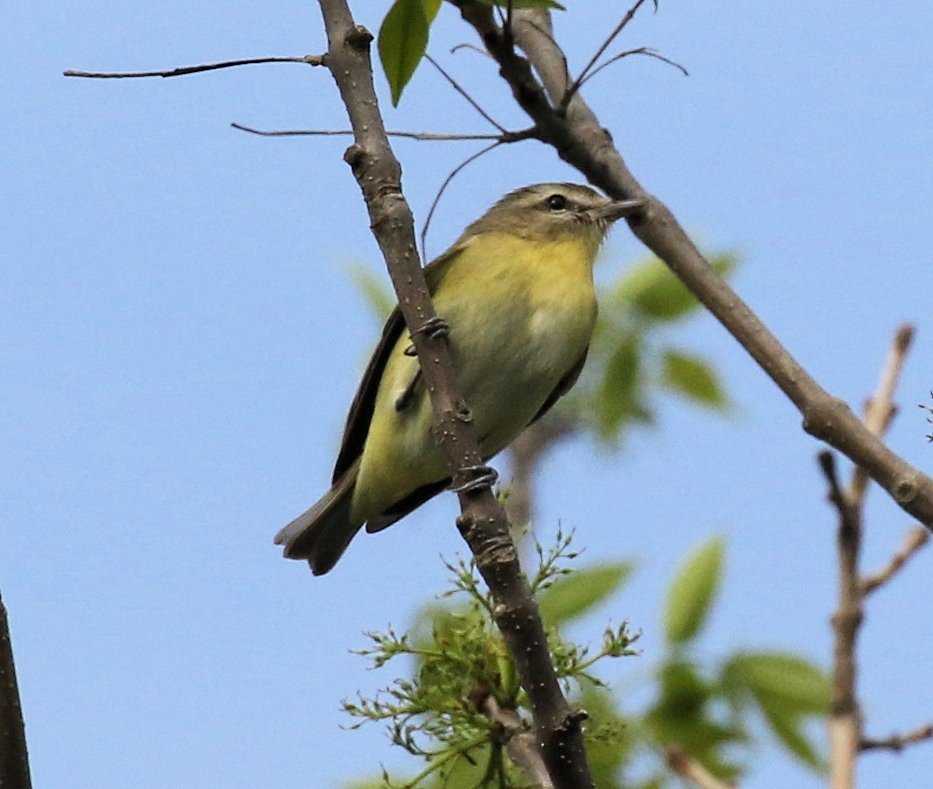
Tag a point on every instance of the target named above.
point(692, 592)
point(629, 361)
point(787, 691)
point(403, 36)
point(690, 376)
point(403, 39)
point(701, 707)
point(461, 658)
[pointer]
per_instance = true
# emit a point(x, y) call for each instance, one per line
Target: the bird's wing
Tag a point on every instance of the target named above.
point(563, 386)
point(361, 409)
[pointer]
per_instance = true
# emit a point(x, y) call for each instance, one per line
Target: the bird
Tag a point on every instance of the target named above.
point(517, 297)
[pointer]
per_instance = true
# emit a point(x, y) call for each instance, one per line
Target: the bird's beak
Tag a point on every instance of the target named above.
point(617, 209)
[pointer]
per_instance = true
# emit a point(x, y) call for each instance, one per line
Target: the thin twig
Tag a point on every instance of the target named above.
point(311, 60)
point(914, 540)
point(525, 455)
point(437, 197)
point(429, 136)
point(565, 101)
point(688, 768)
point(462, 91)
point(647, 51)
point(880, 409)
point(897, 742)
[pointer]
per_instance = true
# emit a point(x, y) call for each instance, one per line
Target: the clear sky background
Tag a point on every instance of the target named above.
point(179, 341)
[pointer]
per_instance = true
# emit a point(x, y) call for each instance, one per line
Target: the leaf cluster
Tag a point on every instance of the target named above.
point(705, 707)
point(630, 362)
point(709, 710)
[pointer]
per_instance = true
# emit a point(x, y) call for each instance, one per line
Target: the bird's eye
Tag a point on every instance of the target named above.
point(557, 202)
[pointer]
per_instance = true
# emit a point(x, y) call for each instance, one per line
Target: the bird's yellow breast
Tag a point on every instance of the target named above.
point(521, 313)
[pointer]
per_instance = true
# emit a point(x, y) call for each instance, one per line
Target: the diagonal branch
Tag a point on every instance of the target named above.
point(482, 523)
point(582, 141)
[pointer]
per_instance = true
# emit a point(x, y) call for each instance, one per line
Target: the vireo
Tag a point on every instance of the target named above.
point(516, 290)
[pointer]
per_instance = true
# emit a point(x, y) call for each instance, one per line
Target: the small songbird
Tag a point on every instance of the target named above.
point(516, 290)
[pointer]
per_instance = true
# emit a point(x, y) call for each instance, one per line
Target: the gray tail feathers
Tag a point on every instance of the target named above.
point(322, 534)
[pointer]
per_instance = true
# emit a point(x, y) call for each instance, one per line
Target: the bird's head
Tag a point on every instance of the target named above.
point(553, 212)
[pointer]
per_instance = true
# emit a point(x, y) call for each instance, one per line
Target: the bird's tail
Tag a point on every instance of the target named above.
point(322, 533)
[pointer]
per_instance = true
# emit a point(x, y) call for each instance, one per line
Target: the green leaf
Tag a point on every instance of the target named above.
point(789, 730)
point(403, 39)
point(783, 683)
point(693, 378)
point(692, 592)
point(617, 397)
point(431, 7)
point(574, 595)
point(657, 293)
point(545, 4)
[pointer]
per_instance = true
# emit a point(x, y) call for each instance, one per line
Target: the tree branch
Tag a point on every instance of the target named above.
point(688, 768)
point(311, 60)
point(914, 540)
point(505, 137)
point(14, 759)
point(897, 742)
point(482, 523)
point(845, 719)
point(580, 140)
point(519, 743)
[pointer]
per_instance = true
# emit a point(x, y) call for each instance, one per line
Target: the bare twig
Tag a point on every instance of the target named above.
point(482, 523)
point(14, 759)
point(581, 140)
point(525, 454)
point(518, 740)
point(470, 100)
point(879, 409)
point(845, 720)
point(647, 51)
point(443, 188)
point(688, 768)
point(585, 74)
point(914, 540)
point(429, 136)
point(311, 60)
point(897, 742)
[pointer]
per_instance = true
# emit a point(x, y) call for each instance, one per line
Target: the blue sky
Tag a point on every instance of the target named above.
point(180, 340)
